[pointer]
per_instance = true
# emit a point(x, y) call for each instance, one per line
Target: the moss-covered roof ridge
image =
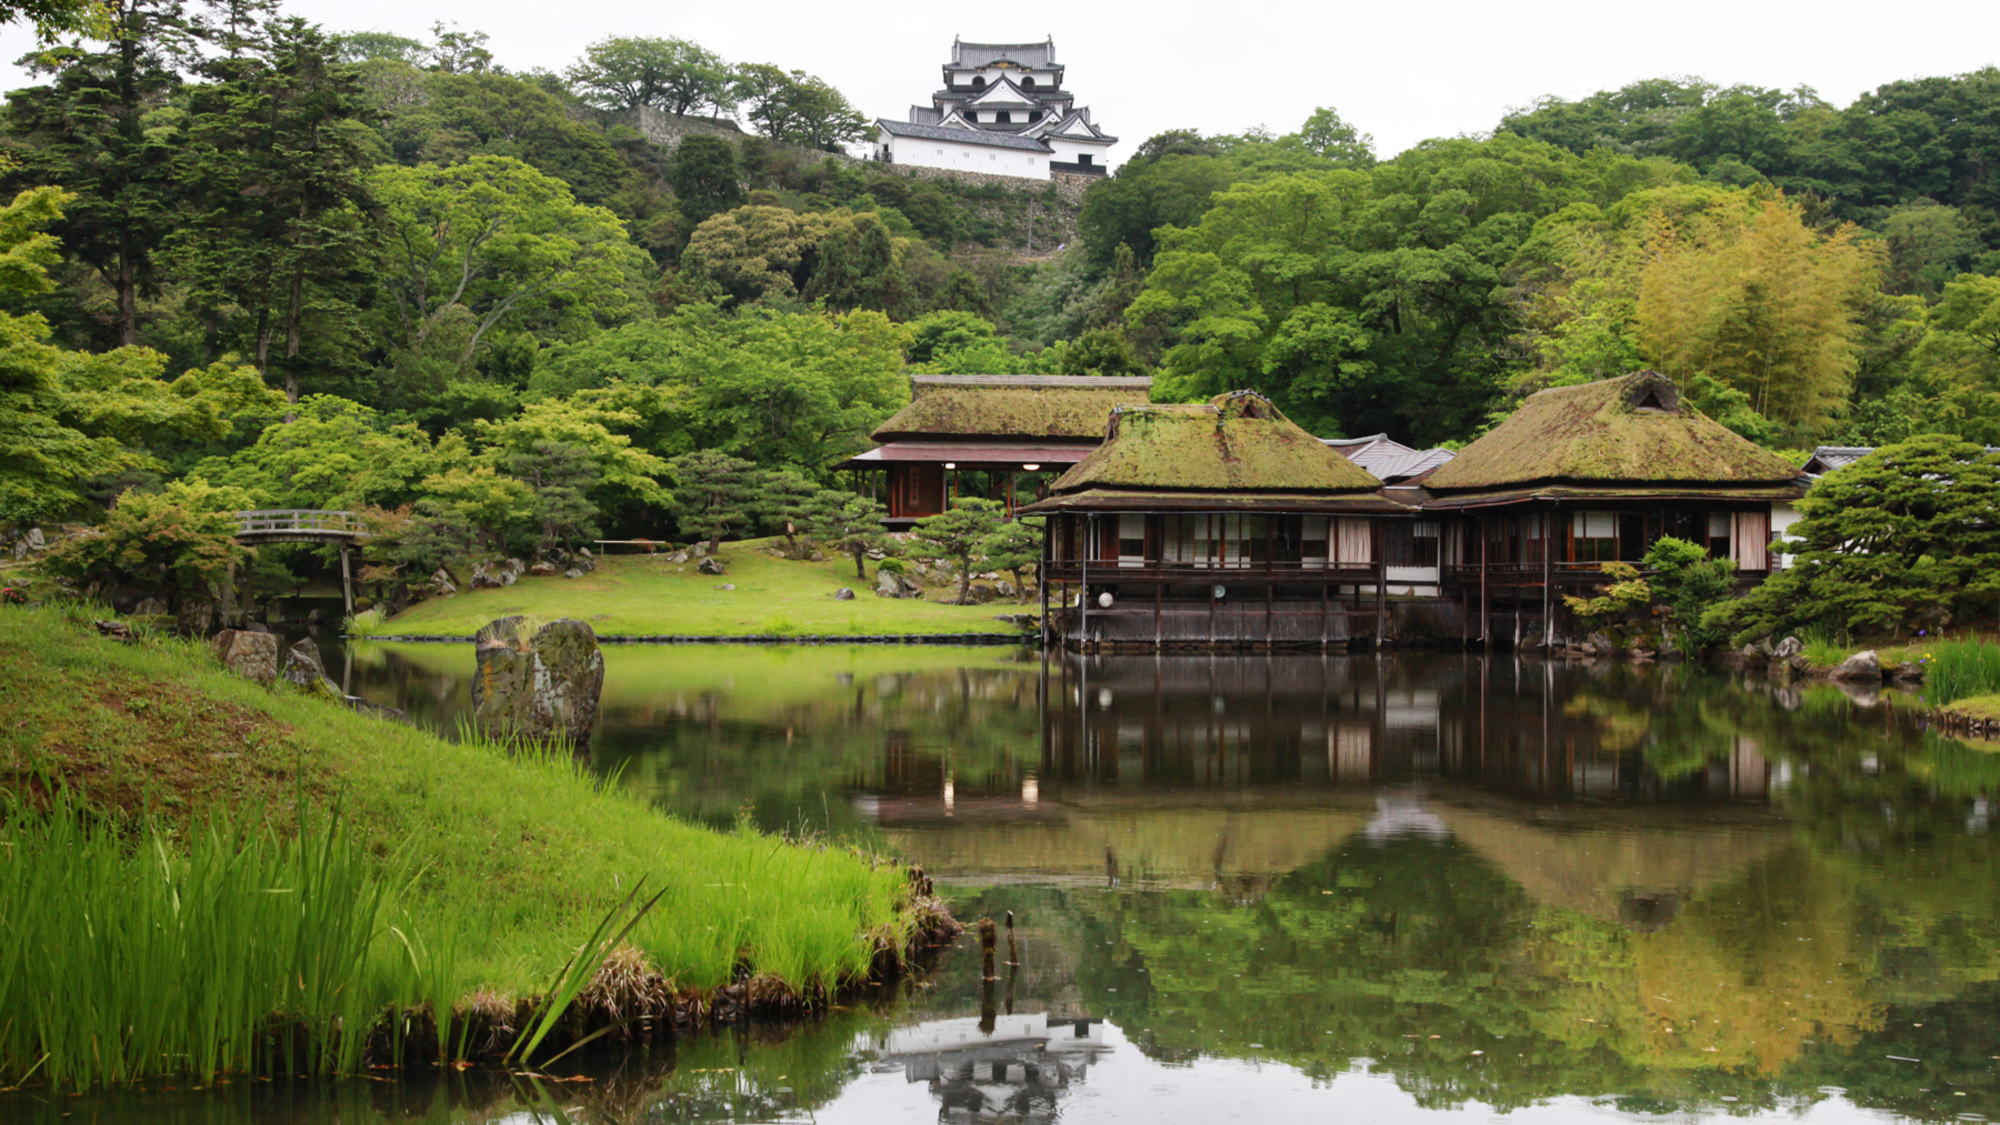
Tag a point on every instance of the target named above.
point(1012, 407)
point(1631, 429)
point(1236, 442)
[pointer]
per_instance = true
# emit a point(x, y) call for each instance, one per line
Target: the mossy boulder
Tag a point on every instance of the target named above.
point(537, 686)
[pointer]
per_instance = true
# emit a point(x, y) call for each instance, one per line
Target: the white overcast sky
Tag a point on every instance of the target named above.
point(1400, 71)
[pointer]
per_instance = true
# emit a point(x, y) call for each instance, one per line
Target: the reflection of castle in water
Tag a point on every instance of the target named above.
point(1226, 771)
point(1009, 1068)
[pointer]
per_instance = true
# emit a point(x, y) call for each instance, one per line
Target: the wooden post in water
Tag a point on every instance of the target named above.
point(1485, 639)
point(1083, 561)
point(1013, 950)
point(346, 583)
point(1042, 580)
point(988, 938)
point(1548, 576)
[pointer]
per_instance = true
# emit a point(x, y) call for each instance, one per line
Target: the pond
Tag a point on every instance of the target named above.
point(1413, 886)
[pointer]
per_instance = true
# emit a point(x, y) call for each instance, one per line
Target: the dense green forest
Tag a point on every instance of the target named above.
point(252, 262)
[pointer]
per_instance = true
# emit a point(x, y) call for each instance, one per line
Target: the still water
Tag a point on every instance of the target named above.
point(1414, 887)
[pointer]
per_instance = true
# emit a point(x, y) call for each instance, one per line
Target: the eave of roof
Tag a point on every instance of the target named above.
point(1614, 493)
point(1160, 500)
point(970, 454)
point(966, 136)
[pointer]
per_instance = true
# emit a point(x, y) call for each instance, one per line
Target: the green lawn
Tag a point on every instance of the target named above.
point(1980, 708)
point(512, 858)
point(644, 595)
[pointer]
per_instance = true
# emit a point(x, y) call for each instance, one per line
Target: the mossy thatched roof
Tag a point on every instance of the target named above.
point(1012, 407)
point(1238, 442)
point(1633, 429)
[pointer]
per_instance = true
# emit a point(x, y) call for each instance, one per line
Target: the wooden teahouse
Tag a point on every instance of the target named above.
point(1584, 475)
point(994, 436)
point(1213, 525)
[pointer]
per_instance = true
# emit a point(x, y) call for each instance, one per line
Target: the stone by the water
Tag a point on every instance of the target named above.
point(534, 687)
point(306, 670)
point(249, 653)
point(1862, 666)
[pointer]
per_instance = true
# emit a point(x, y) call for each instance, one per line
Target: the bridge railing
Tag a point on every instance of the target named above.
point(277, 521)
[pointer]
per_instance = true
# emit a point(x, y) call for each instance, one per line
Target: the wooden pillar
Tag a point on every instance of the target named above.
point(1083, 582)
point(1381, 580)
point(1159, 631)
point(1325, 614)
point(346, 584)
point(1548, 575)
point(1485, 633)
point(1042, 580)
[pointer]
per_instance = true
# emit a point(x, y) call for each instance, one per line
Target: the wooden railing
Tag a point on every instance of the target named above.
point(1155, 570)
point(304, 523)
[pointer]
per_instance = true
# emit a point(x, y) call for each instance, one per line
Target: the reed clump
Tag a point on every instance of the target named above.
point(158, 816)
point(1955, 670)
point(233, 950)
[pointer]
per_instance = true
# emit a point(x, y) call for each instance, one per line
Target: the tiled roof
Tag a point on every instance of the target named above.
point(1827, 458)
point(1387, 458)
point(1027, 54)
point(961, 136)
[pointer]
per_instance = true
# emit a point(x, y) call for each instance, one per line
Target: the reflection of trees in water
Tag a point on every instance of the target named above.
point(1421, 954)
point(1652, 883)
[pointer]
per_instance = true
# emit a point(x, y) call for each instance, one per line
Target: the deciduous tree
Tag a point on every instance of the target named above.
point(676, 76)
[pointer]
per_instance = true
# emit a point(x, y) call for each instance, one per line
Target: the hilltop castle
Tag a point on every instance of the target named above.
point(1003, 111)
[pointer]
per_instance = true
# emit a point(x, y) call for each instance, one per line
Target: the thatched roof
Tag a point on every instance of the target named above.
point(1237, 442)
point(1631, 430)
point(1012, 407)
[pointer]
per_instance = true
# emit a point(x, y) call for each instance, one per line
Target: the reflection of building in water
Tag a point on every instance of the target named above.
point(1223, 771)
point(1010, 1068)
point(1525, 728)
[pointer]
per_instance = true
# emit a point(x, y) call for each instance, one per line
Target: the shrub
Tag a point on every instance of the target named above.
point(1687, 582)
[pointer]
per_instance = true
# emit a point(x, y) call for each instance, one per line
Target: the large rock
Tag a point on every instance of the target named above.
point(441, 584)
point(544, 569)
point(1788, 648)
point(539, 686)
point(1863, 666)
point(305, 670)
point(889, 584)
point(843, 595)
point(712, 565)
point(196, 617)
point(252, 655)
point(496, 574)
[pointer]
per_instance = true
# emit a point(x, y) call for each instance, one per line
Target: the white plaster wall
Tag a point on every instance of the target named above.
point(925, 153)
point(1783, 516)
point(1067, 152)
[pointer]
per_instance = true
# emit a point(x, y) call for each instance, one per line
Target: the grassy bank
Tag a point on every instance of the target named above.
point(486, 871)
point(644, 595)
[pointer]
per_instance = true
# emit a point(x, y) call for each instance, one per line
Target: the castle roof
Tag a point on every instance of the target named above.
point(968, 55)
point(962, 135)
point(1012, 407)
point(1629, 431)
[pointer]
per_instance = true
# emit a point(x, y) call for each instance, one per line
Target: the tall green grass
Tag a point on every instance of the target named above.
point(473, 870)
point(1955, 670)
point(234, 951)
